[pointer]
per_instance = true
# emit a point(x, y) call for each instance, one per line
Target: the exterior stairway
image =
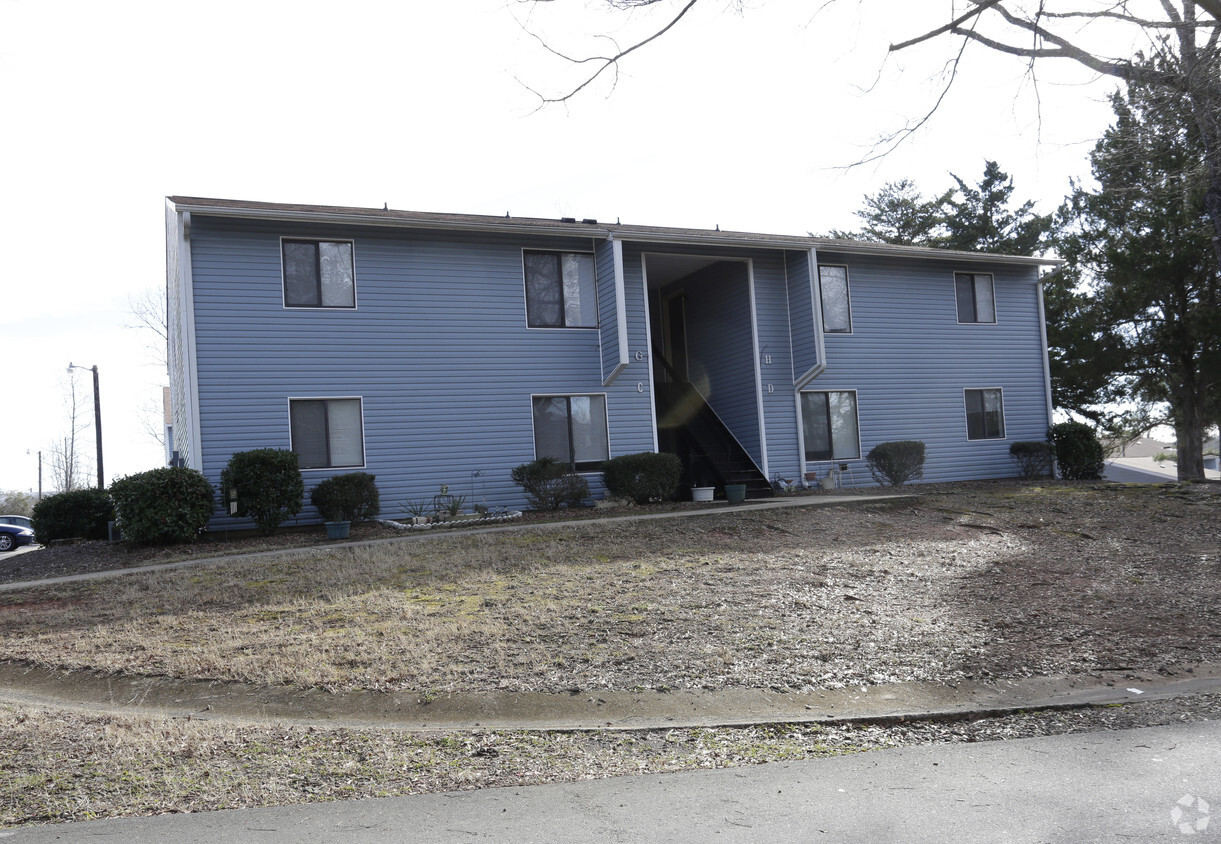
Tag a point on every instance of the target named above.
point(711, 456)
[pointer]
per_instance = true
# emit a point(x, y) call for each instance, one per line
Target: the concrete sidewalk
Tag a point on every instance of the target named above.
point(1151, 784)
point(586, 709)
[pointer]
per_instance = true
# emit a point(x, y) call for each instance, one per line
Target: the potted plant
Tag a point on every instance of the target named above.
point(344, 499)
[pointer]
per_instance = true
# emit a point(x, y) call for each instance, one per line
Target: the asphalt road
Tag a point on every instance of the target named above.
point(1153, 784)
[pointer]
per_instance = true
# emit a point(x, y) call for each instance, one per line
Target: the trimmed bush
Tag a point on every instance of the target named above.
point(1034, 458)
point(162, 506)
point(549, 484)
point(80, 514)
point(1079, 453)
point(266, 484)
point(643, 477)
point(897, 462)
point(347, 498)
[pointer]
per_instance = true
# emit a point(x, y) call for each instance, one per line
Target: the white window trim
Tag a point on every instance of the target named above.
point(606, 421)
point(966, 426)
point(856, 404)
point(284, 280)
point(364, 455)
point(954, 293)
point(525, 294)
point(847, 289)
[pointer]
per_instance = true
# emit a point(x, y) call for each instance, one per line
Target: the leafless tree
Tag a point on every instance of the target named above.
point(149, 315)
point(70, 468)
point(1173, 46)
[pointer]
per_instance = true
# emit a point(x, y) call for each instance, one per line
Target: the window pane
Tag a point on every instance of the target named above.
point(551, 428)
point(985, 308)
point(308, 430)
point(994, 414)
point(815, 426)
point(544, 290)
point(300, 274)
point(844, 442)
point(338, 285)
point(346, 439)
point(836, 314)
point(975, 414)
point(589, 440)
point(580, 291)
point(964, 290)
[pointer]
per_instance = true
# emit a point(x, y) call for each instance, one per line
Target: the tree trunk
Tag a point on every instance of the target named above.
point(1189, 428)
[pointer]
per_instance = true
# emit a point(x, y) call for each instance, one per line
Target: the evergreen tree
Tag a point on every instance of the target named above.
point(973, 219)
point(1139, 293)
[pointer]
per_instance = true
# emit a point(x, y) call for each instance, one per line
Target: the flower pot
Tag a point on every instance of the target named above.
point(337, 530)
point(702, 493)
point(736, 493)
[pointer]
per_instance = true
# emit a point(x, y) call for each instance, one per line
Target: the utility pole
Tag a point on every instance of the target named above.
point(97, 418)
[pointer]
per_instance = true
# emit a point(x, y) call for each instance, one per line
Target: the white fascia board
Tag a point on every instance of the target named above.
point(620, 312)
point(819, 339)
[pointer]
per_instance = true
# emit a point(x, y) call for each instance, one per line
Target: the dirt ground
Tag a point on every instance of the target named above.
point(988, 580)
point(968, 581)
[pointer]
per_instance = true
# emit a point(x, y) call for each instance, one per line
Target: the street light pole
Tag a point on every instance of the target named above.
point(97, 418)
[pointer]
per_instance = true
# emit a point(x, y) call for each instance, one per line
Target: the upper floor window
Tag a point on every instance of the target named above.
point(975, 300)
point(836, 304)
point(572, 429)
point(829, 425)
point(319, 274)
point(985, 414)
point(327, 433)
point(560, 290)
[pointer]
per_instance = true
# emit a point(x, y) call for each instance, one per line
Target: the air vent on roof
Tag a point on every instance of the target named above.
point(590, 221)
point(568, 219)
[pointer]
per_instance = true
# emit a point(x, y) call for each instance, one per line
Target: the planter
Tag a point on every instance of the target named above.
point(702, 493)
point(337, 530)
point(736, 493)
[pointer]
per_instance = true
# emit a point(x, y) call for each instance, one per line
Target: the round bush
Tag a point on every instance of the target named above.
point(80, 514)
point(162, 506)
point(897, 462)
point(1079, 453)
point(643, 477)
point(550, 484)
point(347, 498)
point(1033, 457)
point(266, 485)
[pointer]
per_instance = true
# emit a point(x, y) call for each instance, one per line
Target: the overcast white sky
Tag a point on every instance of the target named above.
point(737, 119)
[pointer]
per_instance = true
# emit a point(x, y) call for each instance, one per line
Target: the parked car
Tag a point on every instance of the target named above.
point(15, 531)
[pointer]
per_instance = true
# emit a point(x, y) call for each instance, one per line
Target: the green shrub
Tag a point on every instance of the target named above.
point(266, 485)
point(347, 498)
point(82, 513)
point(1034, 458)
point(1079, 454)
point(162, 506)
point(550, 484)
point(642, 477)
point(895, 463)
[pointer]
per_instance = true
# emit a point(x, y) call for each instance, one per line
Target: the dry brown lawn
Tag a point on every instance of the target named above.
point(976, 580)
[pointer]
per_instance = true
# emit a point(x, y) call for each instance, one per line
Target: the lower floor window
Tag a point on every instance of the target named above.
point(985, 414)
point(572, 429)
point(327, 433)
point(829, 425)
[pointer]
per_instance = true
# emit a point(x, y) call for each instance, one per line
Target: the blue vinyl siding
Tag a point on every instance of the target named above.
point(440, 355)
point(437, 349)
point(909, 361)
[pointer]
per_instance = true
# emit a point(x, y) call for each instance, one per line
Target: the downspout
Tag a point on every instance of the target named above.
point(1046, 357)
point(620, 310)
point(819, 342)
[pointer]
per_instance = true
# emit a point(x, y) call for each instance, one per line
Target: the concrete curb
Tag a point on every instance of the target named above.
point(588, 709)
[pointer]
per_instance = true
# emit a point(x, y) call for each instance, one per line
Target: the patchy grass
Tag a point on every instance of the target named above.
point(986, 579)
